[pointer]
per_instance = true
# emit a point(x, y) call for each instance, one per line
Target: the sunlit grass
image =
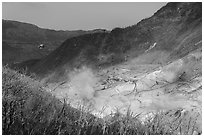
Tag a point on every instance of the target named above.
point(28, 109)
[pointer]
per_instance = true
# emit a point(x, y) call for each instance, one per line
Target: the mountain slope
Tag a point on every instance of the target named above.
point(29, 109)
point(151, 70)
point(171, 29)
point(27, 37)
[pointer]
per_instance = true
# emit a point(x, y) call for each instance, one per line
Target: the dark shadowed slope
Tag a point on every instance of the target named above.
point(174, 29)
point(25, 39)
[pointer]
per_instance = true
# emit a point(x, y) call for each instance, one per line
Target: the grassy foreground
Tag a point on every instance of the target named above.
point(28, 109)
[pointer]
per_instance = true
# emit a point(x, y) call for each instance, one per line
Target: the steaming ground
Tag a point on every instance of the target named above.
point(143, 88)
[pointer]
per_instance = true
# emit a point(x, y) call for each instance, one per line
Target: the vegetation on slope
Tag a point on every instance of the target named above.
point(171, 29)
point(25, 38)
point(28, 109)
point(28, 33)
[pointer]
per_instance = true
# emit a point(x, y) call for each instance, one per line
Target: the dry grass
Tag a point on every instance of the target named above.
point(27, 109)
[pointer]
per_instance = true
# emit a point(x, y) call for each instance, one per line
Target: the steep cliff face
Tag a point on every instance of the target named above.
point(174, 29)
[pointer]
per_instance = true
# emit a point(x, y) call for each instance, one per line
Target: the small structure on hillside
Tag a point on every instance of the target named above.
point(41, 46)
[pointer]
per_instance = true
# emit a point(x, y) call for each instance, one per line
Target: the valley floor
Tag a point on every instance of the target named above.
point(144, 89)
point(28, 109)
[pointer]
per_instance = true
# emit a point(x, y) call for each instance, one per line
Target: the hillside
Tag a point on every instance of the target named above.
point(24, 39)
point(143, 79)
point(173, 31)
point(29, 109)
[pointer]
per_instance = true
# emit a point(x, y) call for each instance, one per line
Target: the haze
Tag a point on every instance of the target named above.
point(75, 16)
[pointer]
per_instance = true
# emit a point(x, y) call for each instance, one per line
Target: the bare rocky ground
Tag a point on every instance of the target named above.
point(144, 88)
